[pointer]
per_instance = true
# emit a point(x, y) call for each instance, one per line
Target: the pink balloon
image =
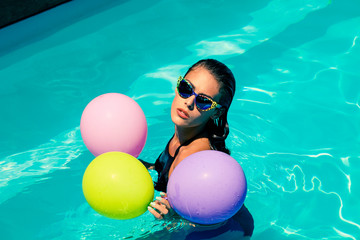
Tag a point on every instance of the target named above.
point(113, 122)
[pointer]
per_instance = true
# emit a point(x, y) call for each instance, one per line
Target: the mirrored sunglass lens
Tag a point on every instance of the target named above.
point(185, 89)
point(203, 103)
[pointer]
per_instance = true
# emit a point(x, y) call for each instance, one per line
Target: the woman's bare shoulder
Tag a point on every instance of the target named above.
point(199, 144)
point(196, 145)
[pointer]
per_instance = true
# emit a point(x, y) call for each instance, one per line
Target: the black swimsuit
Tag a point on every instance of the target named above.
point(163, 164)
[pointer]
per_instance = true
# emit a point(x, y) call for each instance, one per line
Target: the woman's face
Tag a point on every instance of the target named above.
point(183, 110)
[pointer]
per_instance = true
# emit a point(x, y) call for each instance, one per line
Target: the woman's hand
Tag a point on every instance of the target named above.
point(161, 208)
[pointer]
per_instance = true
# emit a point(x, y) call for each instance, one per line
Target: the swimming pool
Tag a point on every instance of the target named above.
point(295, 126)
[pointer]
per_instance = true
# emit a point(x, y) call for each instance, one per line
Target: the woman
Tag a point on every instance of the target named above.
point(199, 112)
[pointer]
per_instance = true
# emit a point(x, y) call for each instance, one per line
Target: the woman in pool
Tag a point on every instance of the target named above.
point(199, 112)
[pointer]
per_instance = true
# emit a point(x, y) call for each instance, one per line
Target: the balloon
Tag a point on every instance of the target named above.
point(118, 186)
point(113, 122)
point(207, 187)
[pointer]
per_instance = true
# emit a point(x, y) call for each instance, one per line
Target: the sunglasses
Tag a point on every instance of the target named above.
point(203, 102)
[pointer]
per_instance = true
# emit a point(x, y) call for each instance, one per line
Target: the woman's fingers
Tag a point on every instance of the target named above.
point(163, 201)
point(158, 209)
point(155, 213)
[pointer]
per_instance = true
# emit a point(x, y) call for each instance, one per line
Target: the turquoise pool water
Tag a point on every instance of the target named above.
point(295, 126)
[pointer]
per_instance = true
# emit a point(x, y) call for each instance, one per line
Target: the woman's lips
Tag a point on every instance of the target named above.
point(182, 113)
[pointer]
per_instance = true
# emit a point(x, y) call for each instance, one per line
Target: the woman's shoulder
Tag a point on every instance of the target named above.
point(197, 145)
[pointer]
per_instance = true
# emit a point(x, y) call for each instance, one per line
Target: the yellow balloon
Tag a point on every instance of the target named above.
point(118, 186)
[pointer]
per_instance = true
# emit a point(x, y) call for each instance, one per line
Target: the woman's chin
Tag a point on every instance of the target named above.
point(178, 121)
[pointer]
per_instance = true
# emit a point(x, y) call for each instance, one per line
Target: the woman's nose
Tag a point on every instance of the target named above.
point(190, 102)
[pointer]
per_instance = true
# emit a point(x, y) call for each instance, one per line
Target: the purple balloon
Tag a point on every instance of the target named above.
point(207, 187)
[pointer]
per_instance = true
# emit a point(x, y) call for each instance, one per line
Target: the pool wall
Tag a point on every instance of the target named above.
point(13, 11)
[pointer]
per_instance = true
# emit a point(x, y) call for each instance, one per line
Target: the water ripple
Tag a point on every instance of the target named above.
point(29, 166)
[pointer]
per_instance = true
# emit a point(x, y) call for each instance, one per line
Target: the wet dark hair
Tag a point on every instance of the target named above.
point(218, 129)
